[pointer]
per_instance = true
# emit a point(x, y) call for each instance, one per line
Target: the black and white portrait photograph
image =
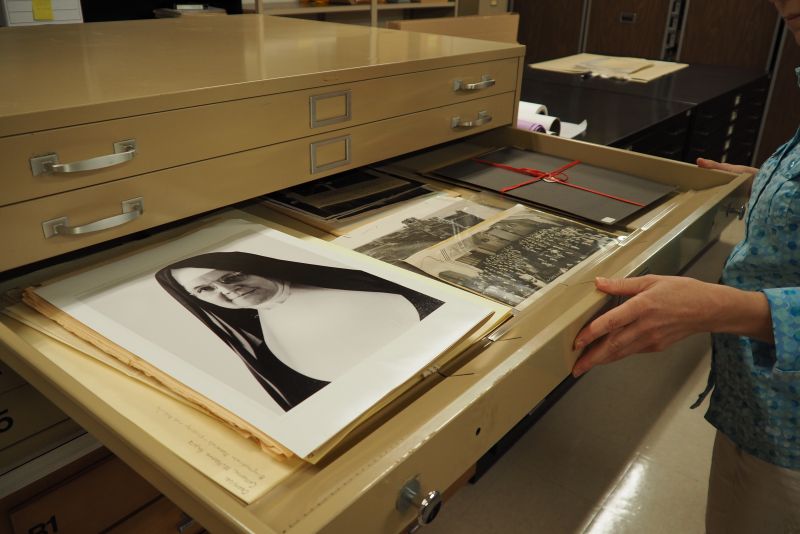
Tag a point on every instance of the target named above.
point(511, 258)
point(288, 321)
point(421, 225)
point(296, 337)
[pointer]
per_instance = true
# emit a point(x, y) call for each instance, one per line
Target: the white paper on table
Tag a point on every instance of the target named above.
point(570, 130)
point(614, 66)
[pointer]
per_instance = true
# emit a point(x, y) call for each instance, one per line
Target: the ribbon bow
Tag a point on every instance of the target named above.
point(551, 177)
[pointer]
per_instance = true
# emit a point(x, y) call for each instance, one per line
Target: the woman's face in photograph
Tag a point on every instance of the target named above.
point(229, 289)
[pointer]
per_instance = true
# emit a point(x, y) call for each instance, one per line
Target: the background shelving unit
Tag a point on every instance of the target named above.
point(377, 13)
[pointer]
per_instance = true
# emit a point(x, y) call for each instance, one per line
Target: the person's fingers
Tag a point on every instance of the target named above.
point(637, 338)
point(614, 346)
point(716, 165)
point(706, 163)
point(616, 318)
point(634, 338)
point(624, 287)
point(727, 167)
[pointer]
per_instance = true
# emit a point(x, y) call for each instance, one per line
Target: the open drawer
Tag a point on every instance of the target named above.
point(436, 434)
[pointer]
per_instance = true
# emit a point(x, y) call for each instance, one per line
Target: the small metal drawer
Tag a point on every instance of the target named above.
point(181, 136)
point(186, 190)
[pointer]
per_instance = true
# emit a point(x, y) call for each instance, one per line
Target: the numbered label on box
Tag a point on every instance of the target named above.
point(23, 413)
point(92, 501)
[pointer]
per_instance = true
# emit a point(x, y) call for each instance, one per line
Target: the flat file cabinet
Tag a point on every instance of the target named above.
point(152, 122)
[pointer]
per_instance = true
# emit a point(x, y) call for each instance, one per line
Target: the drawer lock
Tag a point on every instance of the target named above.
point(131, 209)
point(730, 209)
point(427, 504)
point(48, 163)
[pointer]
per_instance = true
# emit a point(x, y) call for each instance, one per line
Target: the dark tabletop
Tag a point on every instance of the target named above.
point(612, 117)
point(617, 110)
point(693, 85)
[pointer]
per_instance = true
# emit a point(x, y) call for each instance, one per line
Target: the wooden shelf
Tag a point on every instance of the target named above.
point(298, 8)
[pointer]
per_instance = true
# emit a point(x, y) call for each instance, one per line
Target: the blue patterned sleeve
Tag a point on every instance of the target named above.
point(784, 305)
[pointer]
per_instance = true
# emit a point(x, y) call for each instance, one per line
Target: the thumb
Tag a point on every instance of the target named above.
point(726, 167)
point(624, 287)
point(710, 164)
point(705, 163)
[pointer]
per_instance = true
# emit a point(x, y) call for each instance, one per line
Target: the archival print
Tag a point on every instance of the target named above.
point(513, 256)
point(296, 337)
point(421, 225)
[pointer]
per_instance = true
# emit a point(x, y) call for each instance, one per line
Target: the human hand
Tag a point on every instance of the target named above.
point(727, 167)
point(661, 310)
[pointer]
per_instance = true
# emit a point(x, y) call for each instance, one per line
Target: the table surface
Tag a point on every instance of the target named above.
point(612, 117)
point(617, 110)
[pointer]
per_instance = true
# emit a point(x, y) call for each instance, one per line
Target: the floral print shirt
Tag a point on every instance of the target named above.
point(756, 398)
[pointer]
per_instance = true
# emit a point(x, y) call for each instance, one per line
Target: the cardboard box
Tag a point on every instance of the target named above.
point(23, 413)
point(94, 500)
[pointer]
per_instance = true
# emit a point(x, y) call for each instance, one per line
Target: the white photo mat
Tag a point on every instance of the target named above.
point(123, 302)
point(219, 452)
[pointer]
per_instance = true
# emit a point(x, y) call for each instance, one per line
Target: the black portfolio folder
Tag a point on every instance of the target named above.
point(573, 187)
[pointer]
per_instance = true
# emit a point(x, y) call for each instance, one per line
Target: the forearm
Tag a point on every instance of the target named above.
point(743, 313)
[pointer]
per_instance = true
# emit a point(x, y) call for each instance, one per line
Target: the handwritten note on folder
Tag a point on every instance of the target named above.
point(236, 464)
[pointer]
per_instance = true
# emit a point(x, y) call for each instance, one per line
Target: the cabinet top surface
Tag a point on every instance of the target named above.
point(170, 63)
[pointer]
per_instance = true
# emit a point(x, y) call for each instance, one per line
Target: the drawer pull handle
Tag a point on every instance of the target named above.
point(484, 117)
point(486, 81)
point(48, 163)
point(131, 209)
point(428, 504)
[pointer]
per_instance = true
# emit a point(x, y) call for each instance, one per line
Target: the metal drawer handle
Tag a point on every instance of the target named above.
point(48, 163)
point(131, 209)
point(484, 117)
point(486, 81)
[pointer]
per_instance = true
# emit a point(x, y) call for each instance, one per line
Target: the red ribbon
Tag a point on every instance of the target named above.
point(552, 176)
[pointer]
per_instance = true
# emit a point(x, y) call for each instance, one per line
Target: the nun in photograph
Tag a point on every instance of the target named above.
point(296, 326)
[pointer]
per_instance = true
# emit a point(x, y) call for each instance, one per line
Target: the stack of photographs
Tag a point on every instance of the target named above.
point(346, 195)
point(292, 341)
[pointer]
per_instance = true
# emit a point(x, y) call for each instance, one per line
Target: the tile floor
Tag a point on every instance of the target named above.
point(620, 453)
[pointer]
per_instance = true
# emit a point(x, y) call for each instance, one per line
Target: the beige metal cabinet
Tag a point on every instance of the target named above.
point(236, 107)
